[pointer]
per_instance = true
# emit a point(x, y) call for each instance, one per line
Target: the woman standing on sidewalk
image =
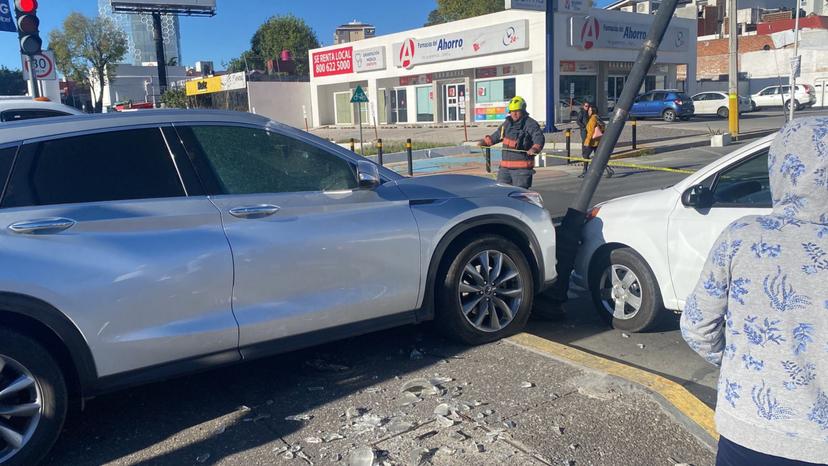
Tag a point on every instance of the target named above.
point(594, 131)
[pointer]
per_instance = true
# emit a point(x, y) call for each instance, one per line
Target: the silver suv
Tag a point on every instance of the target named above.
point(141, 246)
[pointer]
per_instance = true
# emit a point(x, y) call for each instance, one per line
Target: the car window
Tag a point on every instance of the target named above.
point(699, 97)
point(6, 160)
point(20, 114)
point(251, 160)
point(659, 96)
point(644, 98)
point(769, 91)
point(116, 165)
point(744, 185)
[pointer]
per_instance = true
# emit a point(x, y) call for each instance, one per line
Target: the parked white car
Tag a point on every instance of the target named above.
point(14, 108)
point(644, 253)
point(717, 103)
point(775, 96)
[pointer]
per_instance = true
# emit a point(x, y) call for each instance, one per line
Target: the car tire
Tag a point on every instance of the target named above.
point(480, 298)
point(797, 106)
point(642, 303)
point(669, 115)
point(23, 357)
point(723, 112)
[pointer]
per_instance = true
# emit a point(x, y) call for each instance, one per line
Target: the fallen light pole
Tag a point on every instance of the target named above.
point(569, 232)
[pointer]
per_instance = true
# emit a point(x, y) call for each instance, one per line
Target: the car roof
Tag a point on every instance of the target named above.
point(26, 103)
point(47, 127)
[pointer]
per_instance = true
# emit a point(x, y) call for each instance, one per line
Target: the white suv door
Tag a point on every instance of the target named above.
point(738, 190)
point(312, 252)
point(702, 104)
point(769, 97)
point(102, 227)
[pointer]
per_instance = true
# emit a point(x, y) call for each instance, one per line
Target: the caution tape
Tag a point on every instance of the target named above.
point(611, 163)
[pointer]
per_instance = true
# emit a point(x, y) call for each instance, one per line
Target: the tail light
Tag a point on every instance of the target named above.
point(679, 102)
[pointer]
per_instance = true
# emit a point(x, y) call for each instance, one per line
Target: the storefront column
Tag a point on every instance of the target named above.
point(373, 102)
point(317, 122)
point(437, 109)
point(470, 93)
point(601, 88)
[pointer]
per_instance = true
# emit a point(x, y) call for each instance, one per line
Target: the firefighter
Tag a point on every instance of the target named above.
point(522, 139)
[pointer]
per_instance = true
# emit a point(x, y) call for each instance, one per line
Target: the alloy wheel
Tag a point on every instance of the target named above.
point(620, 292)
point(490, 291)
point(21, 407)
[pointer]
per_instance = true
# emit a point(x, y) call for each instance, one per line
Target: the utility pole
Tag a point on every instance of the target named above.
point(733, 81)
point(159, 52)
point(551, 70)
point(569, 233)
point(795, 64)
point(32, 77)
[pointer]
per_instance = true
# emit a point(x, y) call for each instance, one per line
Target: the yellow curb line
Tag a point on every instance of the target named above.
point(672, 392)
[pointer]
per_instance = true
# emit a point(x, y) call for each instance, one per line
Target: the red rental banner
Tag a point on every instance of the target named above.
point(332, 62)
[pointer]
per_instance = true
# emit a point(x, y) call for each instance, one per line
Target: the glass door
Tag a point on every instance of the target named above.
point(399, 106)
point(454, 107)
point(615, 85)
point(344, 108)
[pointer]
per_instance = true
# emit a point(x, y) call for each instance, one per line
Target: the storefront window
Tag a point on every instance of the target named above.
point(492, 98)
point(425, 104)
point(344, 110)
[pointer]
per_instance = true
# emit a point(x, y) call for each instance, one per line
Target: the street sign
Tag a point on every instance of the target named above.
point(44, 66)
point(571, 90)
point(6, 20)
point(359, 96)
point(796, 66)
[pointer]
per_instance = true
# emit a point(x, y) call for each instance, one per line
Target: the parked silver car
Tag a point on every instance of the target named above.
point(146, 245)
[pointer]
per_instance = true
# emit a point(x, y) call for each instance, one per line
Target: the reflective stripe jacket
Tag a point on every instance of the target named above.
point(523, 135)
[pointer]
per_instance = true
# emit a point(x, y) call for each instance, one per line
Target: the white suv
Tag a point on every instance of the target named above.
point(774, 96)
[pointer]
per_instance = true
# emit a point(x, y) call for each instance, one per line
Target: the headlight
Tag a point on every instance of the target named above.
point(530, 197)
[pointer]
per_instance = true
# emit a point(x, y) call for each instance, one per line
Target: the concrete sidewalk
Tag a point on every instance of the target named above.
point(402, 397)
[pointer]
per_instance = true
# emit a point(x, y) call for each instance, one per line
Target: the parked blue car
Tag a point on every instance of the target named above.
point(669, 105)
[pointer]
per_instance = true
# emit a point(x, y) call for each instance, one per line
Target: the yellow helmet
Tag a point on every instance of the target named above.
point(517, 103)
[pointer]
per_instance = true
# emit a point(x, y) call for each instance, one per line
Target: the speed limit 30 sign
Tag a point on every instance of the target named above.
point(44, 66)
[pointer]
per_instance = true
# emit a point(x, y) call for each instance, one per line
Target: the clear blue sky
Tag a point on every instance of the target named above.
point(227, 34)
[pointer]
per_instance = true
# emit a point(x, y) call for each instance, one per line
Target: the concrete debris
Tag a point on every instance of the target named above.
point(295, 448)
point(299, 417)
point(305, 457)
point(442, 409)
point(510, 424)
point(362, 456)
point(557, 429)
point(459, 436)
point(397, 426)
point(574, 446)
point(337, 457)
point(278, 451)
point(488, 412)
point(480, 448)
point(290, 455)
point(313, 440)
point(415, 355)
point(569, 463)
point(641, 345)
point(444, 450)
point(420, 387)
point(333, 437)
point(439, 380)
point(324, 366)
point(353, 413)
point(445, 422)
point(421, 456)
point(409, 399)
point(526, 385)
point(203, 458)
point(625, 335)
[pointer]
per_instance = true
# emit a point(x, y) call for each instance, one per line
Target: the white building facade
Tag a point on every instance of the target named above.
point(470, 69)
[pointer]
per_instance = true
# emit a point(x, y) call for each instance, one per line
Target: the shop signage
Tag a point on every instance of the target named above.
point(501, 38)
point(589, 32)
point(490, 111)
point(372, 59)
point(418, 79)
point(333, 62)
point(573, 5)
point(537, 5)
point(227, 82)
point(578, 67)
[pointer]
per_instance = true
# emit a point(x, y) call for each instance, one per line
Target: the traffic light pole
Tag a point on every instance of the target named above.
point(159, 52)
point(32, 77)
point(569, 233)
point(733, 65)
point(551, 69)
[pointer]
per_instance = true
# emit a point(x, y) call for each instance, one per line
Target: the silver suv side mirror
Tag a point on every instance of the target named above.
point(368, 175)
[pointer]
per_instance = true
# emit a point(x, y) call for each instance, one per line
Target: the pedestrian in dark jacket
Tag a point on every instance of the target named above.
point(522, 140)
point(583, 119)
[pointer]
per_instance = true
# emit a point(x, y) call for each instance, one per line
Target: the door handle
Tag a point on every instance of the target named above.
point(43, 226)
point(254, 211)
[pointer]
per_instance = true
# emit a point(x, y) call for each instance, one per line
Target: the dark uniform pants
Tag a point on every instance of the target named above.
point(732, 454)
point(520, 177)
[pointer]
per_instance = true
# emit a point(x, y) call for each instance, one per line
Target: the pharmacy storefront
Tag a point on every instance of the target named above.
point(469, 70)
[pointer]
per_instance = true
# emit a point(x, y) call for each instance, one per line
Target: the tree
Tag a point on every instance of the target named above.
point(285, 33)
point(175, 98)
point(453, 10)
point(11, 82)
point(87, 49)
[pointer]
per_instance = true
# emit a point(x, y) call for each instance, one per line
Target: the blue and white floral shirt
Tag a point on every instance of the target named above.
point(760, 309)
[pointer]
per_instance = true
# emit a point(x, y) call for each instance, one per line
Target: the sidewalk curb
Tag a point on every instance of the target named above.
point(691, 412)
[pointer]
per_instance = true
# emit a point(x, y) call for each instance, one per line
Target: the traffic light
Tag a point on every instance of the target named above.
point(27, 26)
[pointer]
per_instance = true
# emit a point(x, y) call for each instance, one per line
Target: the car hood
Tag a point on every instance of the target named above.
point(452, 186)
point(798, 167)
